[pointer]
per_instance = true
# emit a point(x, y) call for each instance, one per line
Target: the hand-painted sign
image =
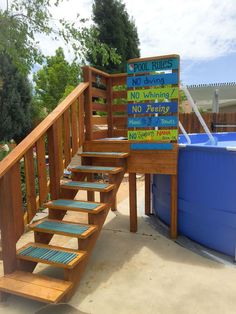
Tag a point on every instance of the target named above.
point(153, 135)
point(153, 108)
point(151, 146)
point(153, 94)
point(153, 65)
point(152, 80)
point(168, 121)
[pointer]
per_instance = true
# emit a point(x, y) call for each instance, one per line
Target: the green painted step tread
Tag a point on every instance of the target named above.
point(84, 185)
point(50, 254)
point(74, 205)
point(66, 228)
point(96, 169)
point(104, 154)
point(35, 287)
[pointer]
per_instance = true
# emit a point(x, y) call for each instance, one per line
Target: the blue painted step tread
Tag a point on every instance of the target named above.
point(65, 204)
point(52, 255)
point(96, 169)
point(104, 154)
point(64, 228)
point(83, 185)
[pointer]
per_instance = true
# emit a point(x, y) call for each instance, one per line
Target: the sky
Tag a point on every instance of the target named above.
point(202, 32)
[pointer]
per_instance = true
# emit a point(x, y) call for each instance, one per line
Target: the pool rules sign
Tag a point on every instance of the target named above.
point(153, 101)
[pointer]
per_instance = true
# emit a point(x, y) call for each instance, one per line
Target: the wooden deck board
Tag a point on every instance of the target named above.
point(36, 287)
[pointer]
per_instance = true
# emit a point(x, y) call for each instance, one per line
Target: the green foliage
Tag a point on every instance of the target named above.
point(23, 19)
point(55, 80)
point(117, 30)
point(15, 101)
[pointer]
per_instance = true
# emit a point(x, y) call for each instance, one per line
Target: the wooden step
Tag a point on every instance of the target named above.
point(79, 206)
point(88, 186)
point(104, 154)
point(66, 228)
point(96, 169)
point(50, 254)
point(36, 287)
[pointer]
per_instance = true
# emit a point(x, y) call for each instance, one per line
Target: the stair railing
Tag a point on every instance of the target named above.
point(33, 169)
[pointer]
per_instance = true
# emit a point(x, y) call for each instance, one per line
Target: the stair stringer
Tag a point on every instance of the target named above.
point(74, 275)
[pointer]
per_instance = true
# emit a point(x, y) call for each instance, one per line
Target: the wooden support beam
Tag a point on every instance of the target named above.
point(133, 202)
point(7, 226)
point(174, 204)
point(147, 194)
point(90, 194)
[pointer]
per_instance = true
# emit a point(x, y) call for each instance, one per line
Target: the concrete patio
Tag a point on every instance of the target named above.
point(141, 273)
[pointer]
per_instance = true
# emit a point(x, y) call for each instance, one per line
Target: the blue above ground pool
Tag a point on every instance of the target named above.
point(206, 191)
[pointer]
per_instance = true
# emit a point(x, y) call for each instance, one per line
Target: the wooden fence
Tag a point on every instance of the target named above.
point(216, 122)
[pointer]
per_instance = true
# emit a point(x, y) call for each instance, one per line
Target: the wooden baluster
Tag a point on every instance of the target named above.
point(18, 210)
point(11, 216)
point(30, 184)
point(42, 171)
point(74, 129)
point(67, 140)
point(81, 119)
point(60, 148)
point(54, 165)
point(88, 104)
point(109, 107)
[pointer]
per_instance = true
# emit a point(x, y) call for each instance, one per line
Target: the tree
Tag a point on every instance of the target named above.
point(23, 19)
point(15, 101)
point(116, 30)
point(55, 79)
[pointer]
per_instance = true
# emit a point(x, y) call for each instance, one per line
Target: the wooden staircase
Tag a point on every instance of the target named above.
point(23, 281)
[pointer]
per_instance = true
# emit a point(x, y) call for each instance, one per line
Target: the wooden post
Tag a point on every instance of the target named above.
point(10, 210)
point(133, 202)
point(88, 104)
point(174, 204)
point(147, 194)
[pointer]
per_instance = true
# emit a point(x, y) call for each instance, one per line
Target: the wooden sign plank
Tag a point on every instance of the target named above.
point(151, 146)
point(161, 121)
point(152, 80)
point(153, 65)
point(153, 108)
point(158, 94)
point(153, 135)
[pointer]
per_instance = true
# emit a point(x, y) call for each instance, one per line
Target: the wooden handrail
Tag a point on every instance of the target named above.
point(94, 70)
point(30, 140)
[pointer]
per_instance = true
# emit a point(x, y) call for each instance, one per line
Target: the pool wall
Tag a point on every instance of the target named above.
point(206, 193)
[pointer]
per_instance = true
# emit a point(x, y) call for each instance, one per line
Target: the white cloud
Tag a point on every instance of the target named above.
point(195, 29)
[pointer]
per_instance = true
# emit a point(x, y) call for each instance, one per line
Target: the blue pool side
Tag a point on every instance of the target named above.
point(206, 192)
